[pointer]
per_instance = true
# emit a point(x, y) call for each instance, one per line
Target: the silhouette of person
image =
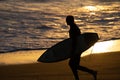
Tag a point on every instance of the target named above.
point(74, 61)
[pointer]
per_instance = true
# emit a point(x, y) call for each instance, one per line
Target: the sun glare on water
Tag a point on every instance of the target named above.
point(91, 8)
point(94, 8)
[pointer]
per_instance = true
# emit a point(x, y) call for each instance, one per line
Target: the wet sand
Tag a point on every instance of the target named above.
point(107, 65)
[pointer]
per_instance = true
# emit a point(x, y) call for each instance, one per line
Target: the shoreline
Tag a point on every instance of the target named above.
point(116, 40)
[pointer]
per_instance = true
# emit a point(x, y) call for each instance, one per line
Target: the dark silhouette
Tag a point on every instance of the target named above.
point(74, 32)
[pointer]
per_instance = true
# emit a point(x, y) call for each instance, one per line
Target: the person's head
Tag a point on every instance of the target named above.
point(69, 19)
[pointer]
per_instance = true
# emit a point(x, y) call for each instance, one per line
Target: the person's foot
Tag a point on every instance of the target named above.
point(95, 75)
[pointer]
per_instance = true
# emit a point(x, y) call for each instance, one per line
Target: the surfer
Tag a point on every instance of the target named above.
point(74, 61)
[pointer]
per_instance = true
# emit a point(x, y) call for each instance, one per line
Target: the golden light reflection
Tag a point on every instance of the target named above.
point(20, 57)
point(91, 8)
point(94, 8)
point(103, 47)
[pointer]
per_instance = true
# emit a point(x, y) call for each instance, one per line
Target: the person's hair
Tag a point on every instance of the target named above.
point(69, 19)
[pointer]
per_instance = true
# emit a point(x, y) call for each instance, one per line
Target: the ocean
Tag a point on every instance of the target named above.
point(39, 24)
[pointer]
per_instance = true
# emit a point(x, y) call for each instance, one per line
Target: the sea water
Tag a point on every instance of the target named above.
point(39, 24)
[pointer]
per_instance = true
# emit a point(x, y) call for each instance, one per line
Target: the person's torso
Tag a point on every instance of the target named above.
point(74, 31)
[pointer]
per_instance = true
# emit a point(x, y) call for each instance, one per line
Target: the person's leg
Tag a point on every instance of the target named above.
point(94, 73)
point(75, 73)
point(73, 67)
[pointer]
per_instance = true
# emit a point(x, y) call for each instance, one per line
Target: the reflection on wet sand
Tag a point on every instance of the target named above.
point(107, 46)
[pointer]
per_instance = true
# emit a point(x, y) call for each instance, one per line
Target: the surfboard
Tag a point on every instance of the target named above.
point(62, 50)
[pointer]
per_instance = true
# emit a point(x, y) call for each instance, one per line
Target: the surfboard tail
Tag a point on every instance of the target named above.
point(91, 38)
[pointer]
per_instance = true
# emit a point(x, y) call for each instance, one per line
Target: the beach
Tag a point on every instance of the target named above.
point(107, 65)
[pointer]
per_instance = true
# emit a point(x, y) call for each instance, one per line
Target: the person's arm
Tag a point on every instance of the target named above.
point(74, 45)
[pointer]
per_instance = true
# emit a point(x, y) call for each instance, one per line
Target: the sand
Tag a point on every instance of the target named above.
point(107, 65)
